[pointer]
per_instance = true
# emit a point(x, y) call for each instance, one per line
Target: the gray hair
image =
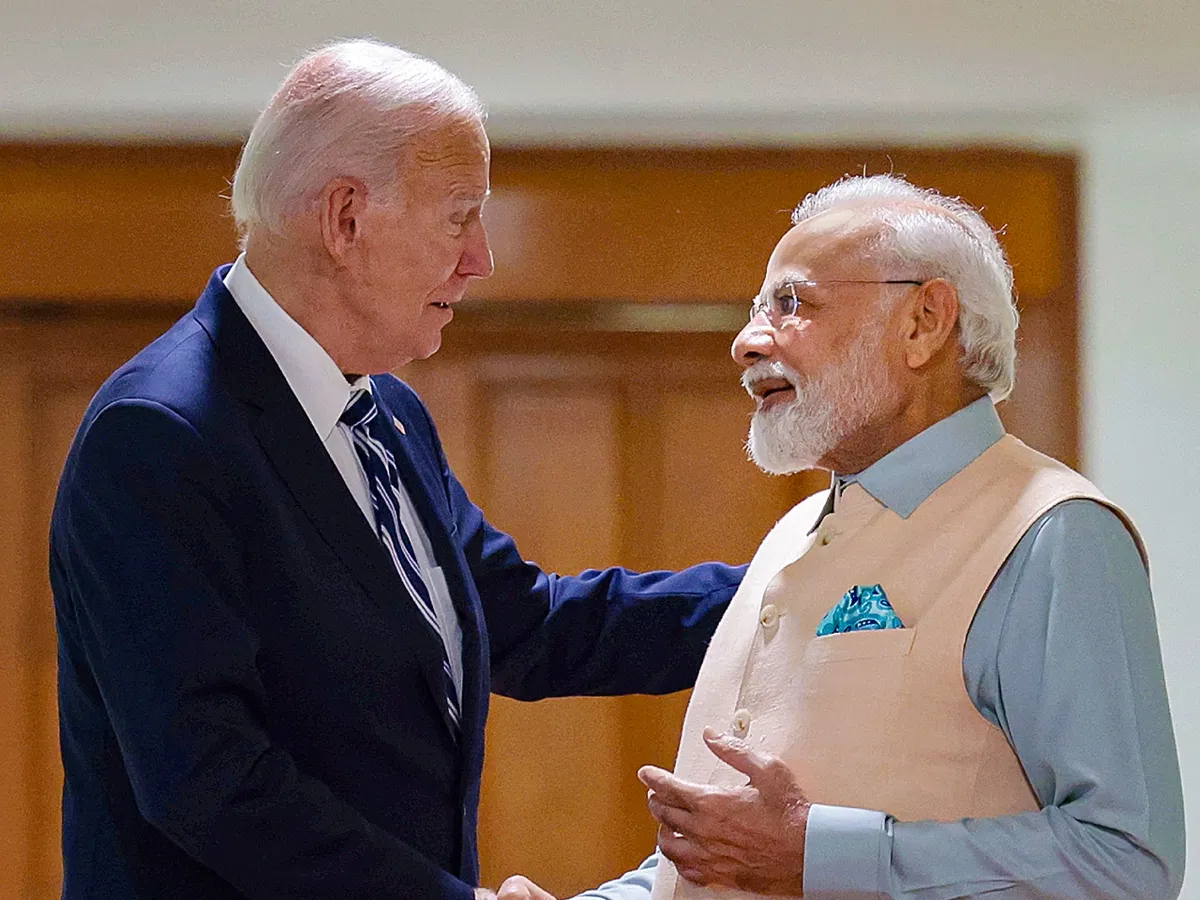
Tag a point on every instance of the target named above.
point(348, 108)
point(934, 236)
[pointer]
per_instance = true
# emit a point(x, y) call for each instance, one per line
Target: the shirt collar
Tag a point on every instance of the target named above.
point(905, 478)
point(311, 373)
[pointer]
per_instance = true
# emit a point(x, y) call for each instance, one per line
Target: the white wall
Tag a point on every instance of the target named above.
point(1141, 213)
point(205, 67)
point(1089, 74)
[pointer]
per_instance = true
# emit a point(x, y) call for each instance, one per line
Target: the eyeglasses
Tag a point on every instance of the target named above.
point(784, 301)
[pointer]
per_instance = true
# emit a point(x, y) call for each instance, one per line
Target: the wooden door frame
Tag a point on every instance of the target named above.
point(585, 239)
point(101, 224)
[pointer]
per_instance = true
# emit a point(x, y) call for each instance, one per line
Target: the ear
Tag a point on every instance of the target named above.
point(930, 322)
point(340, 210)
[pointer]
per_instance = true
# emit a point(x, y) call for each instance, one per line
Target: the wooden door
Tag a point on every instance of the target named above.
point(51, 363)
point(589, 405)
point(595, 449)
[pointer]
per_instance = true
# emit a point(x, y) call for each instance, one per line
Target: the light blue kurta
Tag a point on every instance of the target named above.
point(1063, 655)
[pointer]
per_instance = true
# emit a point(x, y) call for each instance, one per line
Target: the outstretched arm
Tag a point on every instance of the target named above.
point(597, 633)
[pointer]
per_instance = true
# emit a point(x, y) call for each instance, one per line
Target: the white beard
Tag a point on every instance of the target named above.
point(828, 408)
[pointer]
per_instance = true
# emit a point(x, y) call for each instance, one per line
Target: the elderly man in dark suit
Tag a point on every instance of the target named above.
point(279, 614)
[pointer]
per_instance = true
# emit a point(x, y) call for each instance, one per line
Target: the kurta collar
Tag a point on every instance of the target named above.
point(907, 476)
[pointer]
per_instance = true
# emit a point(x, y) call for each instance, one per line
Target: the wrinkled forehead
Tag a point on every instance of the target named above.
point(454, 155)
point(455, 138)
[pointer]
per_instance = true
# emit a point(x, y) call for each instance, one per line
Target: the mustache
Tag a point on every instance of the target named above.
point(767, 370)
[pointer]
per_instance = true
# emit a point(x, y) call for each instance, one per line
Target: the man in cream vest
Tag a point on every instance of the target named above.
point(940, 678)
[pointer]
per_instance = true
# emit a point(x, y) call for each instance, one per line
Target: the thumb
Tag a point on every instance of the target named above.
point(736, 753)
point(766, 772)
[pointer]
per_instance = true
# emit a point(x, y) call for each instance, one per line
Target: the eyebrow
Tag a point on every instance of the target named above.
point(473, 198)
point(778, 284)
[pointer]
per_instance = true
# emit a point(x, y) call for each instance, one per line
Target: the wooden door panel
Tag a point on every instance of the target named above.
point(447, 384)
point(714, 501)
point(698, 224)
point(561, 436)
point(591, 448)
point(50, 369)
point(1041, 412)
point(59, 406)
point(603, 448)
point(554, 486)
point(16, 707)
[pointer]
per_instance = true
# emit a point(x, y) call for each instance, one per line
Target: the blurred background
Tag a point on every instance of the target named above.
point(646, 156)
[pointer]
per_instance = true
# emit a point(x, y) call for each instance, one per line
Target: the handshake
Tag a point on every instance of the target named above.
point(517, 887)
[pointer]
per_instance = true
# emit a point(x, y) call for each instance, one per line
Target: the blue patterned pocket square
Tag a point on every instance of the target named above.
point(863, 608)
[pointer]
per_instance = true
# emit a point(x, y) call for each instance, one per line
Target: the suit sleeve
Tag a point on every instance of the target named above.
point(604, 632)
point(152, 559)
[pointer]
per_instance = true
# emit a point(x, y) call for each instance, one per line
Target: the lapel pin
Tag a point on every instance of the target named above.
point(399, 425)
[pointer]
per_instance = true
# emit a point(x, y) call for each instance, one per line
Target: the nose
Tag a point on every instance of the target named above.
point(755, 341)
point(476, 259)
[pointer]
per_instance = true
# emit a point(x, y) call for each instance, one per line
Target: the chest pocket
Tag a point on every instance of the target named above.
point(859, 645)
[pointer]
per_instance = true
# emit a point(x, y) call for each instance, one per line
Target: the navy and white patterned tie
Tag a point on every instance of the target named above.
point(368, 432)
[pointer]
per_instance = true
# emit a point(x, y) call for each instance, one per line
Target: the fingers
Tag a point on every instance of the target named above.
point(671, 790)
point(751, 836)
point(681, 851)
point(698, 810)
point(693, 809)
point(694, 861)
point(675, 819)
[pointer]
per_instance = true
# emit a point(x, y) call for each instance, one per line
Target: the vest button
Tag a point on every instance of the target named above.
point(768, 615)
point(825, 539)
point(741, 723)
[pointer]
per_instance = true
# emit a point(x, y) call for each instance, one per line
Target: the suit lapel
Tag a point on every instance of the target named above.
point(314, 481)
point(289, 441)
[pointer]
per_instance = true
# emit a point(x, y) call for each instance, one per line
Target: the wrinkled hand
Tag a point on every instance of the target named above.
point(518, 887)
point(748, 837)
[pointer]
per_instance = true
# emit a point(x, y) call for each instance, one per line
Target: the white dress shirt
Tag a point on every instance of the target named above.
point(324, 393)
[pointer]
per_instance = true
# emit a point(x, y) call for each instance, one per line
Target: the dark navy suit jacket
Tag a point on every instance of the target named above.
point(249, 703)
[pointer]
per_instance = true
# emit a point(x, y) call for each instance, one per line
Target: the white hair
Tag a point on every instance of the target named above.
point(346, 109)
point(933, 236)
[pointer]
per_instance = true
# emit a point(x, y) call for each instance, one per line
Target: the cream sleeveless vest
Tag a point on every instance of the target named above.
point(874, 719)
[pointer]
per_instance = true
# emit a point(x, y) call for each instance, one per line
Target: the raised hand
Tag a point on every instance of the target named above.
point(749, 837)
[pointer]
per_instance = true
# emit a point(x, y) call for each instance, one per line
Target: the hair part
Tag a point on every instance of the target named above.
point(933, 236)
point(350, 108)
